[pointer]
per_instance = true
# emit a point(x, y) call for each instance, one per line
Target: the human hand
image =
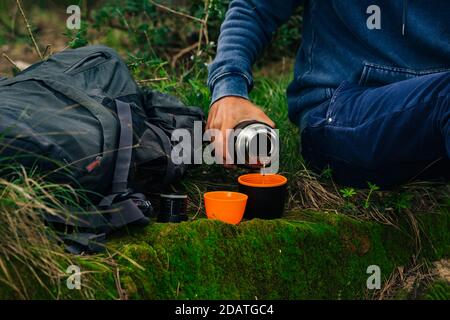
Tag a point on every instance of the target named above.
point(226, 114)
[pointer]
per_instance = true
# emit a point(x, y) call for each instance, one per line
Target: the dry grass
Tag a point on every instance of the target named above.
point(410, 282)
point(29, 252)
point(388, 207)
point(309, 192)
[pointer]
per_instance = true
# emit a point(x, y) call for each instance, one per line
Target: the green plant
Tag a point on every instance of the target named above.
point(77, 38)
point(372, 188)
point(348, 193)
point(180, 30)
point(327, 173)
point(437, 290)
point(401, 201)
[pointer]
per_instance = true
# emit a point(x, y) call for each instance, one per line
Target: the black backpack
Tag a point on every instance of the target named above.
point(81, 118)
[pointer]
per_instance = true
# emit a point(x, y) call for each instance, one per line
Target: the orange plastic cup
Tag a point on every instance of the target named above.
point(225, 206)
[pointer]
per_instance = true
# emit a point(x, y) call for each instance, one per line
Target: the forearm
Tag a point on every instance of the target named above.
point(246, 31)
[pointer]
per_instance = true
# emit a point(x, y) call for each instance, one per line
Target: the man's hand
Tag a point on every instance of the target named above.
point(227, 113)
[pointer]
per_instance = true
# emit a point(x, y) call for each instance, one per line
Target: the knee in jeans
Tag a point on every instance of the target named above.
point(442, 85)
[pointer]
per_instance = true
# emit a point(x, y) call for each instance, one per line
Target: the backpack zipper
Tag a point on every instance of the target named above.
point(94, 164)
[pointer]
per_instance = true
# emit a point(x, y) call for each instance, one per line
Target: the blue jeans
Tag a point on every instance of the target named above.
point(385, 135)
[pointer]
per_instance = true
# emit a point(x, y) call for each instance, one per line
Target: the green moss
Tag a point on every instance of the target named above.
point(321, 256)
point(435, 228)
point(438, 290)
point(325, 257)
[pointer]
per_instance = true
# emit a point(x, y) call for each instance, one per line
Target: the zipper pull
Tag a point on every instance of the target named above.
point(94, 165)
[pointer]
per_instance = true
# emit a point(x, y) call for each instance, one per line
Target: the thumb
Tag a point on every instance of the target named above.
point(271, 124)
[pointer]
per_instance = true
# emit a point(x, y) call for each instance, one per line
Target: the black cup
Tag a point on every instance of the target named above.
point(266, 195)
point(173, 208)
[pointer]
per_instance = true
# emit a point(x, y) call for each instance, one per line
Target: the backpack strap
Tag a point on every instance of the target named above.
point(119, 209)
point(125, 148)
point(123, 204)
point(85, 242)
point(124, 211)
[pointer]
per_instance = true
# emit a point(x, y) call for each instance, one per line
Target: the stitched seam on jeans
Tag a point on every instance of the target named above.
point(363, 78)
point(407, 70)
point(333, 99)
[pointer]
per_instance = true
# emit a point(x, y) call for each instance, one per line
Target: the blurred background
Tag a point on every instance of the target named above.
point(167, 45)
point(178, 32)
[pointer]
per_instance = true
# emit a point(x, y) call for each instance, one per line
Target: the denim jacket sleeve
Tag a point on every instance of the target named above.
point(248, 27)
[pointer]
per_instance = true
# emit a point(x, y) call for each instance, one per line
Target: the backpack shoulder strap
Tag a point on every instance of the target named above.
point(120, 208)
point(123, 203)
point(125, 148)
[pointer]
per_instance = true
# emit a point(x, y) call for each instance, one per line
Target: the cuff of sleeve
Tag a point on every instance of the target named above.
point(236, 86)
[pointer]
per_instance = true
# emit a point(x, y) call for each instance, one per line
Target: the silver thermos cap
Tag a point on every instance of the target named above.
point(255, 144)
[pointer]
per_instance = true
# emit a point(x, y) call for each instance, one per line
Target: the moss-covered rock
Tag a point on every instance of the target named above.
point(315, 256)
point(325, 256)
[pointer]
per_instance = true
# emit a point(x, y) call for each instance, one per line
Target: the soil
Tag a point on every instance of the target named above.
point(48, 30)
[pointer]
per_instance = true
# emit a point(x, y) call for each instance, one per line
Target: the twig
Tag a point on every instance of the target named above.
point(11, 61)
point(182, 53)
point(127, 25)
point(178, 289)
point(204, 28)
point(47, 51)
point(203, 32)
point(182, 14)
point(30, 32)
point(122, 293)
point(200, 39)
point(152, 80)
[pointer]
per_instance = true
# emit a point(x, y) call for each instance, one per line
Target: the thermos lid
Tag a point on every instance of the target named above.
point(248, 140)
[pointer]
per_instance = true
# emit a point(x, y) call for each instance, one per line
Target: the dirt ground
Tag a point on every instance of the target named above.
point(48, 30)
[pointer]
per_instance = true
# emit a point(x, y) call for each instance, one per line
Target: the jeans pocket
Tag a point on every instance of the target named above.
point(375, 75)
point(324, 113)
point(333, 108)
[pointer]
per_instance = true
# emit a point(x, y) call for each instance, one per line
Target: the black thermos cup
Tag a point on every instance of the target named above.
point(173, 208)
